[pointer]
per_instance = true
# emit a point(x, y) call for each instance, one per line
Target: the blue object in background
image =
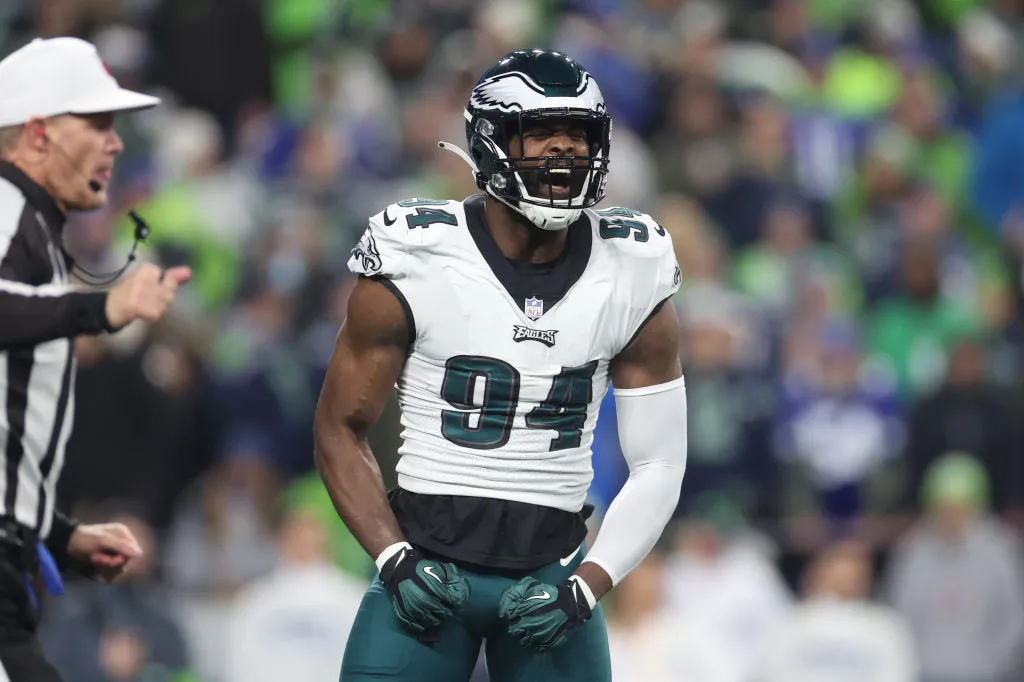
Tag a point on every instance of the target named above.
point(997, 187)
point(51, 576)
point(610, 470)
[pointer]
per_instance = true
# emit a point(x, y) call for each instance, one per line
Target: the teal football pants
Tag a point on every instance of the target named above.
point(379, 648)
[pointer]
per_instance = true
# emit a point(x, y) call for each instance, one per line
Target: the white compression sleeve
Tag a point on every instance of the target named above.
point(652, 434)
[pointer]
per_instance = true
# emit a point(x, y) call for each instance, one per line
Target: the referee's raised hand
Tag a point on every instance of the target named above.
point(145, 294)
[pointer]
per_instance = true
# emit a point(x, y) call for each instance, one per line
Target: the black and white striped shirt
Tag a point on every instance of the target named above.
point(40, 314)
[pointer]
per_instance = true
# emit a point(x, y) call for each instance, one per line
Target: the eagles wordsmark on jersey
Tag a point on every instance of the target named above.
point(523, 88)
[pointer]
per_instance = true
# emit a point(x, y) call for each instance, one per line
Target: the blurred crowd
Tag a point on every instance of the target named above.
point(843, 183)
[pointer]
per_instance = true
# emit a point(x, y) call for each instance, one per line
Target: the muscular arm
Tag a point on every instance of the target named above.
point(368, 357)
point(656, 458)
point(653, 356)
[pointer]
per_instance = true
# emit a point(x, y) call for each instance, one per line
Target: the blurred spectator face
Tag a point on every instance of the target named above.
point(788, 22)
point(324, 79)
point(167, 366)
point(966, 364)
point(891, 151)
point(698, 110)
point(882, 177)
point(124, 50)
point(891, 26)
point(59, 18)
point(683, 219)
point(811, 296)
point(840, 369)
point(319, 157)
point(703, 260)
point(297, 250)
point(843, 571)
point(955, 490)
point(787, 229)
point(952, 517)
point(708, 166)
point(189, 145)
point(918, 107)
point(505, 25)
point(701, 539)
point(921, 273)
point(700, 24)
point(267, 312)
point(802, 350)
point(764, 121)
point(303, 538)
point(122, 654)
point(423, 126)
point(926, 215)
point(406, 51)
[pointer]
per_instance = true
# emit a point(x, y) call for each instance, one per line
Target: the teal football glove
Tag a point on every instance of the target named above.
point(541, 616)
point(423, 592)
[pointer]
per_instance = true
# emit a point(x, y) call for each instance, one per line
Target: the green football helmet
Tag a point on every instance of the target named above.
point(523, 89)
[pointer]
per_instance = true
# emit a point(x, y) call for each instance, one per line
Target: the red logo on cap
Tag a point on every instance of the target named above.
point(106, 68)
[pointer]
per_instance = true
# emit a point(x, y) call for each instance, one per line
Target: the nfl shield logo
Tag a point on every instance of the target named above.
point(534, 308)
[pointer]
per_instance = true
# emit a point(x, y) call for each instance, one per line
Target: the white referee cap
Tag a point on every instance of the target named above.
point(50, 77)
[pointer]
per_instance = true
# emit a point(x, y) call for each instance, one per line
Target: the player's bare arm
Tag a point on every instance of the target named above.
point(653, 356)
point(368, 357)
point(650, 360)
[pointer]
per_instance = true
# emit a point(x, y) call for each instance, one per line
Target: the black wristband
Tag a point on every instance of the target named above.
point(572, 600)
point(399, 567)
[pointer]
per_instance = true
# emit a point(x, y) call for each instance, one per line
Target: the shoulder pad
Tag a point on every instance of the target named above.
point(636, 233)
point(419, 213)
point(400, 231)
point(644, 256)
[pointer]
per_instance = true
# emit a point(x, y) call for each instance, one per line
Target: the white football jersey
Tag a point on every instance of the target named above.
point(501, 389)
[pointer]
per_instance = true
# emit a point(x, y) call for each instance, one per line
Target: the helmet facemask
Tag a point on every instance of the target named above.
point(550, 191)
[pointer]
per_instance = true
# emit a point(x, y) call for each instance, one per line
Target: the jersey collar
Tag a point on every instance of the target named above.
point(550, 284)
point(36, 196)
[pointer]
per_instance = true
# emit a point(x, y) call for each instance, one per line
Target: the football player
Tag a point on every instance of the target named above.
point(502, 319)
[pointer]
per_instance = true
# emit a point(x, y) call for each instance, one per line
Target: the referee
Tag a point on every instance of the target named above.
point(57, 151)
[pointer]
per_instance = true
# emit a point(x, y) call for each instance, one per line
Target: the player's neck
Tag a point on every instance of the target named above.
point(520, 240)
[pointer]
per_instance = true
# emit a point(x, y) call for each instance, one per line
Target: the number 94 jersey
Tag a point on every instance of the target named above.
point(509, 361)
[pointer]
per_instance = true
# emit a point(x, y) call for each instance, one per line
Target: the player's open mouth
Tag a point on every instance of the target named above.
point(555, 183)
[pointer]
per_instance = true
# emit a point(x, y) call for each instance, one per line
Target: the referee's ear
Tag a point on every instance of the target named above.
point(34, 136)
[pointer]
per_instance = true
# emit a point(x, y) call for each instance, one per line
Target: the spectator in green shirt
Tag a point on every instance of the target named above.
point(911, 334)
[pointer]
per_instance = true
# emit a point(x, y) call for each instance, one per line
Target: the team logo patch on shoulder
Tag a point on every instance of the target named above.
point(534, 308)
point(545, 336)
point(367, 254)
